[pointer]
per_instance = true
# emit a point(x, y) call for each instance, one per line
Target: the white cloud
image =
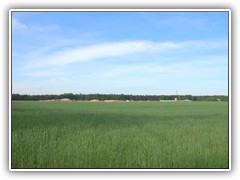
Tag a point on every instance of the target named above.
point(198, 67)
point(120, 49)
point(16, 24)
point(45, 28)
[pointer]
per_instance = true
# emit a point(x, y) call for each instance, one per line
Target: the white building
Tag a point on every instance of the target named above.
point(64, 99)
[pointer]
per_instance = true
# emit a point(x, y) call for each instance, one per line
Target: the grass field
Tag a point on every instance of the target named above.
point(119, 135)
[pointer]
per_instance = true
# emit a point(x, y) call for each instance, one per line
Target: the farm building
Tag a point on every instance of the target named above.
point(167, 100)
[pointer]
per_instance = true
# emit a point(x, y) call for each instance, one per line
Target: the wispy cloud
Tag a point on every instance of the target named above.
point(121, 49)
point(179, 20)
point(201, 66)
point(46, 28)
point(194, 22)
point(16, 24)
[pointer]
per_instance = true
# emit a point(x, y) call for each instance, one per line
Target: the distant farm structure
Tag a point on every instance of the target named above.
point(65, 99)
point(169, 100)
point(176, 99)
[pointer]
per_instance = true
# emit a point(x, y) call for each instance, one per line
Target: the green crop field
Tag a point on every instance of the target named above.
point(119, 135)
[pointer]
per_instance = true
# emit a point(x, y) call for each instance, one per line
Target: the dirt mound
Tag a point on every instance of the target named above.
point(94, 100)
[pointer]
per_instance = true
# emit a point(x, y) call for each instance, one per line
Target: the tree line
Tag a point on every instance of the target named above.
point(120, 97)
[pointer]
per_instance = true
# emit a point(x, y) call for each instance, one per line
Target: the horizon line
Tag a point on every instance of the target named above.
point(121, 94)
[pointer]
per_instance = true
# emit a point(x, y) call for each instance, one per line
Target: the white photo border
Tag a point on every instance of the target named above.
point(124, 10)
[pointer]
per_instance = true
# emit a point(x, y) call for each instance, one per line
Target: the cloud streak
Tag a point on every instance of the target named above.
point(121, 49)
point(16, 24)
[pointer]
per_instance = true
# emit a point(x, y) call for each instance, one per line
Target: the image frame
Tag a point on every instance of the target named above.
point(120, 10)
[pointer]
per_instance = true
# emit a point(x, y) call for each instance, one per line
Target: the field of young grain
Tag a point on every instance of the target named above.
point(119, 135)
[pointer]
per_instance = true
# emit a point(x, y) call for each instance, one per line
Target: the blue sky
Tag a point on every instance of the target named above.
point(120, 52)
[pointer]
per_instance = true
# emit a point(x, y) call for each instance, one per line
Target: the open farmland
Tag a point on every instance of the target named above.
point(119, 135)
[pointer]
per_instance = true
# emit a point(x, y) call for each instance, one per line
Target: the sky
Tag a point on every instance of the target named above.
point(145, 53)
